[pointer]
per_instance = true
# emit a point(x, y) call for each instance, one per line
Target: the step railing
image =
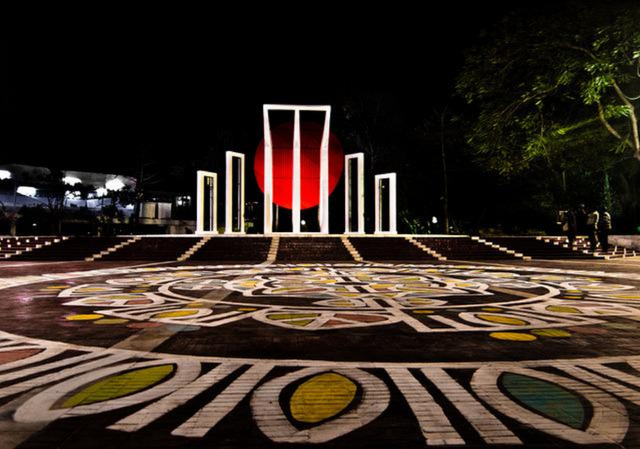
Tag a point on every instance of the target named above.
point(191, 251)
point(273, 249)
point(352, 250)
point(501, 248)
point(25, 249)
point(436, 255)
point(113, 249)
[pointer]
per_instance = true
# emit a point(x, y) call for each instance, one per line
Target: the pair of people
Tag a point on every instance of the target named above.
point(598, 225)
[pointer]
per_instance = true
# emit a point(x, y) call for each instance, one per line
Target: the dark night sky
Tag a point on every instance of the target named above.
point(88, 94)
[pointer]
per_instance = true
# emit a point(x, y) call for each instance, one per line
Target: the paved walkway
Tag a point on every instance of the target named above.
point(537, 354)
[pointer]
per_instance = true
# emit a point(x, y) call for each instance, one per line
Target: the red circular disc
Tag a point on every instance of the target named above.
point(282, 143)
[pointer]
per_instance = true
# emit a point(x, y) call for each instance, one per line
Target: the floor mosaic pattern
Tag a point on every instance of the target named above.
point(342, 355)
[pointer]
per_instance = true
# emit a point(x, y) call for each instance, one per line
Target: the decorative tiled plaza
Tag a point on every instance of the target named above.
point(335, 355)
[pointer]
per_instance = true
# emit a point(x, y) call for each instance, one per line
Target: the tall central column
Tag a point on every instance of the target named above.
point(296, 184)
point(324, 174)
point(268, 172)
point(296, 175)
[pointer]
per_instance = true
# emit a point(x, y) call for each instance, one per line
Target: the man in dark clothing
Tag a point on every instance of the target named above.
point(604, 228)
point(570, 226)
point(581, 219)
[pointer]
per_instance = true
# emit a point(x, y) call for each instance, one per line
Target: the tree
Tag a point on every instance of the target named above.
point(111, 213)
point(549, 88)
point(368, 122)
point(52, 187)
point(8, 220)
point(440, 132)
point(85, 191)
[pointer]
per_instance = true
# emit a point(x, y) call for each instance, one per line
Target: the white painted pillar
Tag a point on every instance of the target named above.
point(296, 175)
point(323, 208)
point(230, 178)
point(392, 204)
point(268, 172)
point(348, 206)
point(324, 174)
point(213, 202)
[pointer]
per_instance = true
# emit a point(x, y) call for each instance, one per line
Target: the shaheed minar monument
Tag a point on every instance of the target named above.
point(296, 173)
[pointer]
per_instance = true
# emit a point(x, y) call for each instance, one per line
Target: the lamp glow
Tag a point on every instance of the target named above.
point(71, 180)
point(114, 184)
point(27, 191)
point(101, 191)
point(5, 174)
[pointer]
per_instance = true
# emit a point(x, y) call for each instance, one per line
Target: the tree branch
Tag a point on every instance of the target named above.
point(580, 49)
point(632, 117)
point(610, 128)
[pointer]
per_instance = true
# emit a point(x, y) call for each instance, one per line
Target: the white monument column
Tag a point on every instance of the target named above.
point(296, 173)
point(392, 204)
point(268, 172)
point(324, 174)
point(348, 189)
point(323, 208)
point(202, 177)
point(230, 178)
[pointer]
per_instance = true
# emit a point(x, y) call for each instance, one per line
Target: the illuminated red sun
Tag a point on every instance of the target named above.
point(310, 139)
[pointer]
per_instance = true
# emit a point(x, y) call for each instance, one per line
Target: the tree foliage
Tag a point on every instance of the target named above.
point(558, 87)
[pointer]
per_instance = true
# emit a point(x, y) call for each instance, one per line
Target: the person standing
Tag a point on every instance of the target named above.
point(570, 226)
point(581, 219)
point(603, 229)
point(592, 229)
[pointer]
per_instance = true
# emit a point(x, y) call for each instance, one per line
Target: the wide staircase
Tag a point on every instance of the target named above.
point(582, 244)
point(233, 249)
point(73, 248)
point(18, 247)
point(538, 248)
point(153, 248)
point(301, 249)
point(389, 249)
point(466, 248)
point(250, 249)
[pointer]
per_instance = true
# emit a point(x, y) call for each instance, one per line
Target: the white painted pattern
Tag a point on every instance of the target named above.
point(40, 407)
point(207, 417)
point(156, 410)
point(609, 422)
point(393, 292)
point(273, 423)
point(435, 427)
point(488, 426)
point(590, 379)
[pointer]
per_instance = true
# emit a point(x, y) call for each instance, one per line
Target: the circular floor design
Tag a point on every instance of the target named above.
point(412, 313)
point(337, 355)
